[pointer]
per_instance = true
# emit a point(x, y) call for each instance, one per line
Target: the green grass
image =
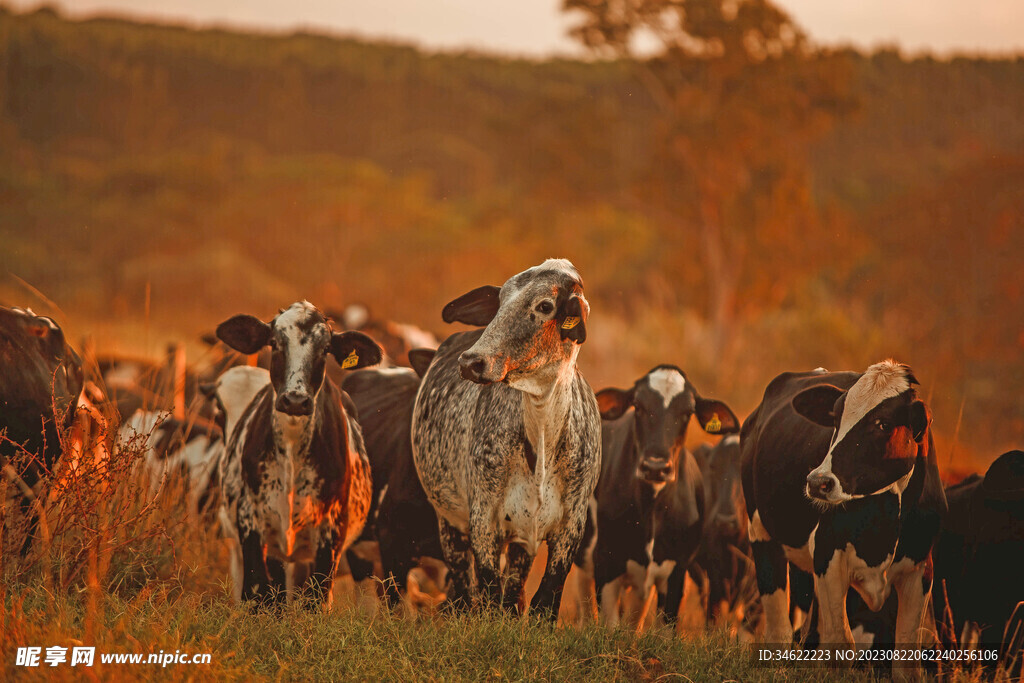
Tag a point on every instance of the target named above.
point(352, 644)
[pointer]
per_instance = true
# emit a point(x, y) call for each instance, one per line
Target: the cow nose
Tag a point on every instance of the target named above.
point(473, 366)
point(820, 485)
point(656, 468)
point(295, 403)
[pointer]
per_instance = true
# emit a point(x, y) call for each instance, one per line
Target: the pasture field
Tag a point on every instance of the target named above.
point(349, 644)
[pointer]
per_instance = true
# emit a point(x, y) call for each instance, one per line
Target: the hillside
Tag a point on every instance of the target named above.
point(224, 171)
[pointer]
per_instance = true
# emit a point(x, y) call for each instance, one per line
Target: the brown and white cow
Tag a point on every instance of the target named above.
point(295, 480)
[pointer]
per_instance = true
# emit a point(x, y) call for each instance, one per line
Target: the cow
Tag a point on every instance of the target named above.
point(980, 552)
point(231, 393)
point(650, 497)
point(506, 436)
point(397, 339)
point(405, 523)
point(724, 553)
point(40, 386)
point(840, 478)
point(171, 448)
point(294, 477)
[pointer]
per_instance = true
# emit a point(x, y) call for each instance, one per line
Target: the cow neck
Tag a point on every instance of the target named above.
point(545, 414)
point(292, 437)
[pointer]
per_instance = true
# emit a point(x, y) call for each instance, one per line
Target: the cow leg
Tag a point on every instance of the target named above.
point(913, 583)
point(548, 597)
point(831, 584)
point(322, 577)
point(773, 585)
point(459, 558)
point(670, 594)
point(278, 580)
point(255, 579)
point(517, 567)
point(586, 593)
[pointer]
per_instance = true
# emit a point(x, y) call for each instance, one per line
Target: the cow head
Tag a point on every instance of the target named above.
point(300, 339)
point(535, 323)
point(724, 490)
point(880, 428)
point(40, 366)
point(663, 402)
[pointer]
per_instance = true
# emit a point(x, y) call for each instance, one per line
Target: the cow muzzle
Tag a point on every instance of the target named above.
point(476, 367)
point(824, 486)
point(656, 471)
point(294, 403)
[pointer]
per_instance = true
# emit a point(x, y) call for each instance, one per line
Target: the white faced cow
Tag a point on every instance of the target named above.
point(650, 497)
point(840, 478)
point(510, 457)
point(295, 481)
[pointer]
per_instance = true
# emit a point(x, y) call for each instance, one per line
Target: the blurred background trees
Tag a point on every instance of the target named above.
point(738, 201)
point(739, 96)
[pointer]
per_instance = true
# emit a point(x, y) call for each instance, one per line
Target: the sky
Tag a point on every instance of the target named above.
point(538, 27)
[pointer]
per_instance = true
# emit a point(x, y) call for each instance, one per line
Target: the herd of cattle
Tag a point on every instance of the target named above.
point(494, 443)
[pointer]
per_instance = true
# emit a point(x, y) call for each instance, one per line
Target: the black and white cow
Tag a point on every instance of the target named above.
point(840, 477)
point(230, 394)
point(510, 457)
point(174, 449)
point(724, 553)
point(405, 523)
point(295, 481)
point(979, 556)
point(40, 385)
point(650, 497)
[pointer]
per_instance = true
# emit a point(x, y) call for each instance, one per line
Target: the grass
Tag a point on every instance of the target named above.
point(125, 573)
point(352, 644)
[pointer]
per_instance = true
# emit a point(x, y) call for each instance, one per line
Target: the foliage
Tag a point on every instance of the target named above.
point(222, 172)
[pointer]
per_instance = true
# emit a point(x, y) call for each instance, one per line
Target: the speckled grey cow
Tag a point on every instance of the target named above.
point(295, 480)
point(511, 457)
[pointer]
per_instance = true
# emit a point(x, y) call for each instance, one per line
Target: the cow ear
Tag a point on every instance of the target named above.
point(613, 403)
point(817, 403)
point(420, 360)
point(354, 350)
point(716, 418)
point(919, 419)
point(572, 319)
point(476, 308)
point(244, 333)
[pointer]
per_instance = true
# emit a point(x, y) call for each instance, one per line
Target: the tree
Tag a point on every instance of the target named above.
point(739, 94)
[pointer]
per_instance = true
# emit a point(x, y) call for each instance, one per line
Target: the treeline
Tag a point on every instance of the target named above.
point(218, 171)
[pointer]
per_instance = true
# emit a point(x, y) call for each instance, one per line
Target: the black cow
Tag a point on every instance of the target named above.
point(295, 480)
point(510, 458)
point(650, 497)
point(979, 556)
point(40, 385)
point(724, 553)
point(403, 520)
point(840, 477)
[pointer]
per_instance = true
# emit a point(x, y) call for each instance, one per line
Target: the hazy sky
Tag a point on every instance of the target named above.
point(537, 27)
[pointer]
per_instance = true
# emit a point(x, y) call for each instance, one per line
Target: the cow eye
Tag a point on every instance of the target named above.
point(545, 307)
point(882, 424)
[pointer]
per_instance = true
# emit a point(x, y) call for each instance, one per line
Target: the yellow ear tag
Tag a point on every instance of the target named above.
point(350, 360)
point(714, 425)
point(570, 322)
